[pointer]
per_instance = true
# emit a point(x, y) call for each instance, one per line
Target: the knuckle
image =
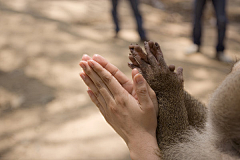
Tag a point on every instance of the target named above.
point(110, 104)
point(142, 91)
point(115, 71)
point(107, 79)
point(113, 109)
point(148, 105)
point(121, 101)
point(149, 108)
point(88, 71)
point(98, 84)
point(98, 105)
point(97, 94)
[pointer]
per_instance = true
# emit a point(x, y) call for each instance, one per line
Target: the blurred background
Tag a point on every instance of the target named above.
point(45, 112)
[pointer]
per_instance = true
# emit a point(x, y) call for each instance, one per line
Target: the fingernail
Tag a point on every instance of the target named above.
point(135, 70)
point(139, 79)
point(96, 57)
point(83, 66)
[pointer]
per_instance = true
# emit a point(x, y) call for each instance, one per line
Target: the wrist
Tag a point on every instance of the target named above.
point(144, 146)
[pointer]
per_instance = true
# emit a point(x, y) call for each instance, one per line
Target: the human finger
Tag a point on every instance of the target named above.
point(94, 89)
point(96, 102)
point(150, 90)
point(153, 97)
point(142, 91)
point(112, 84)
point(134, 72)
point(86, 57)
point(121, 77)
point(98, 82)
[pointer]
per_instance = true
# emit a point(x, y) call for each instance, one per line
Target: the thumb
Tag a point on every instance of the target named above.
point(141, 89)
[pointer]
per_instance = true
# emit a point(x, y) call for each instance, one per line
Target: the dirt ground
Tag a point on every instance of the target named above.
point(45, 113)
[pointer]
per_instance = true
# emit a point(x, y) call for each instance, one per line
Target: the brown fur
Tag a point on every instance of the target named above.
point(186, 129)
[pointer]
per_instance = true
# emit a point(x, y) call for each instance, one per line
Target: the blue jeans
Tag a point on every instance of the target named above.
point(138, 17)
point(219, 7)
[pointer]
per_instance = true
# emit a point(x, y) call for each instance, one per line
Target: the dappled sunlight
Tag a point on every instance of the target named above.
point(9, 57)
point(18, 123)
point(8, 98)
point(129, 35)
point(63, 104)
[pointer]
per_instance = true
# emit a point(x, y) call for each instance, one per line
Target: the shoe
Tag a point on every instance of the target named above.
point(194, 48)
point(223, 58)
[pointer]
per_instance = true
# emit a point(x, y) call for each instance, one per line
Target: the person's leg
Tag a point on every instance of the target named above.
point(115, 15)
point(198, 7)
point(197, 22)
point(137, 14)
point(219, 6)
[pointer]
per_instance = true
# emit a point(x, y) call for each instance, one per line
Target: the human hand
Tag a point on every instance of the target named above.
point(129, 117)
point(133, 119)
point(126, 83)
